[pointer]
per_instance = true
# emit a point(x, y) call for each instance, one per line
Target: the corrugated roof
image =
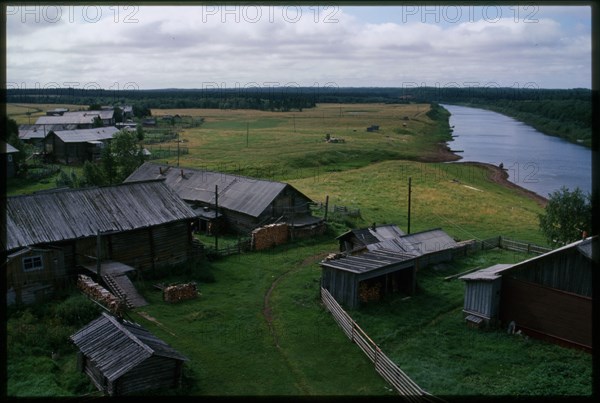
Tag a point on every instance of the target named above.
point(419, 243)
point(429, 241)
point(84, 135)
point(237, 193)
point(77, 118)
point(368, 261)
point(489, 273)
point(61, 215)
point(116, 346)
point(372, 235)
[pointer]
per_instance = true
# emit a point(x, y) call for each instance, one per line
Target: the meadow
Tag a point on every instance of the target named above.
point(258, 328)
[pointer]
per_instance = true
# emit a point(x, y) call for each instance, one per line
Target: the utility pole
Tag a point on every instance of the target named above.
point(247, 132)
point(98, 252)
point(216, 217)
point(409, 194)
point(326, 206)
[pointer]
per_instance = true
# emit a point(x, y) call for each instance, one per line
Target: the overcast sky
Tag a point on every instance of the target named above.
point(208, 46)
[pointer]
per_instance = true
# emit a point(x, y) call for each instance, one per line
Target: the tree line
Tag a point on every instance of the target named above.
point(565, 113)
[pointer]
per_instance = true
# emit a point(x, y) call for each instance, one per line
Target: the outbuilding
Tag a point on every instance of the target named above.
point(77, 146)
point(121, 357)
point(368, 276)
point(242, 203)
point(548, 296)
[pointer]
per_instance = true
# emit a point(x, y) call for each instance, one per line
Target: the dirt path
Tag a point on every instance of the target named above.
point(268, 315)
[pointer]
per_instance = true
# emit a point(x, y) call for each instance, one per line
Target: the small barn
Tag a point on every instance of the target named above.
point(244, 202)
point(77, 146)
point(143, 225)
point(432, 246)
point(368, 276)
point(121, 357)
point(548, 296)
point(361, 237)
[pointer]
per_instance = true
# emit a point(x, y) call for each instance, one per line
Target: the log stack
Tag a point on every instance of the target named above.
point(368, 293)
point(101, 295)
point(269, 236)
point(180, 292)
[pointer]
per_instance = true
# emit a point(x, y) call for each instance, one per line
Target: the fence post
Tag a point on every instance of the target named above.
point(352, 334)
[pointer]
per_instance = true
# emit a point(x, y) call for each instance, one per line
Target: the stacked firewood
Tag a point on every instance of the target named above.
point(269, 236)
point(101, 294)
point(180, 292)
point(368, 293)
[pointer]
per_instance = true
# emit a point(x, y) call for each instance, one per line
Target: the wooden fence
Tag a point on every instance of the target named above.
point(511, 244)
point(385, 367)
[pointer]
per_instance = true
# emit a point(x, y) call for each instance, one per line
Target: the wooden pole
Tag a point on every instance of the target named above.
point(98, 251)
point(326, 206)
point(247, 132)
point(216, 217)
point(409, 194)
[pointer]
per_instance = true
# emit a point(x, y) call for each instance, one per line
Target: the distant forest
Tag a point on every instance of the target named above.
point(556, 112)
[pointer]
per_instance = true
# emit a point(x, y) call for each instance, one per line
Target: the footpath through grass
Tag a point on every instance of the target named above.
point(234, 351)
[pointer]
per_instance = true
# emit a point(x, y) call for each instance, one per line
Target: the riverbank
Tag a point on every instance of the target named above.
point(494, 173)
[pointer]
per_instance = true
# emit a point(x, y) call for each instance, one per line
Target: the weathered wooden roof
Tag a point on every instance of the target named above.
point(84, 135)
point(61, 215)
point(116, 346)
point(376, 234)
point(243, 194)
point(419, 243)
point(368, 261)
point(487, 274)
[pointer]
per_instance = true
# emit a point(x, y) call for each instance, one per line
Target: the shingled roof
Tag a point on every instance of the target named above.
point(243, 194)
point(116, 346)
point(61, 215)
point(85, 135)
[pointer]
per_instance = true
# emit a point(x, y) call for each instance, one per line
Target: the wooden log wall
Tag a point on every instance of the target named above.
point(154, 373)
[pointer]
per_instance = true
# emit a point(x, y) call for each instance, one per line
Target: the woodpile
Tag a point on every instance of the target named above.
point(180, 292)
point(368, 293)
point(101, 295)
point(269, 236)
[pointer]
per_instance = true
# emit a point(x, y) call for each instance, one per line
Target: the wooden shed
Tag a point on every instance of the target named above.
point(32, 274)
point(548, 296)
point(143, 225)
point(360, 237)
point(244, 202)
point(355, 279)
point(77, 146)
point(122, 357)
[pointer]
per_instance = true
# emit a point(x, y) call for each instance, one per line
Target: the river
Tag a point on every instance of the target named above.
point(532, 159)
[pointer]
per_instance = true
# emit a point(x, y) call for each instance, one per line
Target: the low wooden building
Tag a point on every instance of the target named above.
point(548, 296)
point(245, 203)
point(122, 357)
point(143, 225)
point(32, 274)
point(361, 237)
point(368, 276)
point(77, 146)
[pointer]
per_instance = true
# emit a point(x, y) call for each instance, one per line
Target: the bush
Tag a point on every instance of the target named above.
point(77, 311)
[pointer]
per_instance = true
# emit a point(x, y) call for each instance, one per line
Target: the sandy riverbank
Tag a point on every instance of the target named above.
point(494, 173)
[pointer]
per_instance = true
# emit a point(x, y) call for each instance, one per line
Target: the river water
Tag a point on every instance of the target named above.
point(532, 159)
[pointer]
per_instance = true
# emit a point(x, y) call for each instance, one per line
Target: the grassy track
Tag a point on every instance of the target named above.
point(231, 348)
